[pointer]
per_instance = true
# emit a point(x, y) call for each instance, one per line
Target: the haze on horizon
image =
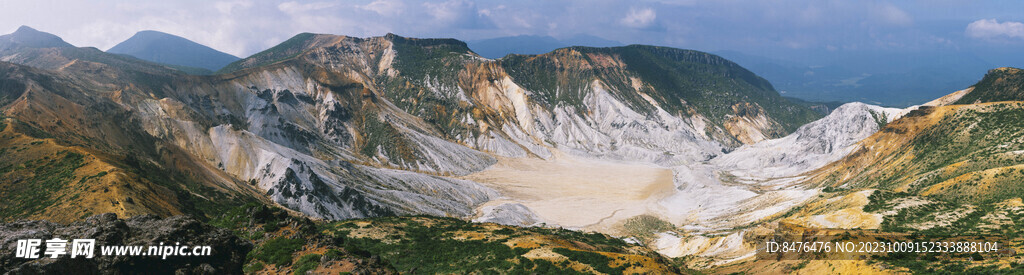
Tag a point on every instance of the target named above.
point(894, 53)
point(767, 28)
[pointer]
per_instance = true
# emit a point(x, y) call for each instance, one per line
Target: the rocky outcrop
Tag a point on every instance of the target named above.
point(812, 146)
point(227, 255)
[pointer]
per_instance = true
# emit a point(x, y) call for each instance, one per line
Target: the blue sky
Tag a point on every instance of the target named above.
point(768, 28)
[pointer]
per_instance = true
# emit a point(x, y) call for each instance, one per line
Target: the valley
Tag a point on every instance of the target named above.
point(585, 159)
point(575, 192)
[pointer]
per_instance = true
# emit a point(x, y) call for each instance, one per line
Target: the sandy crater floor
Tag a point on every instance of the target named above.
point(576, 192)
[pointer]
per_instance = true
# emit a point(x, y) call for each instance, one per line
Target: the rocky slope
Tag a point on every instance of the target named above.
point(338, 127)
point(950, 167)
point(228, 252)
point(334, 127)
point(812, 145)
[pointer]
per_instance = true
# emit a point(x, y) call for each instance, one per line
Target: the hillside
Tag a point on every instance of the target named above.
point(27, 37)
point(966, 153)
point(338, 127)
point(173, 50)
point(686, 152)
point(1002, 84)
point(286, 244)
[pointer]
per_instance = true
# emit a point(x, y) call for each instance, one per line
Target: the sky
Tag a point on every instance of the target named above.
point(799, 28)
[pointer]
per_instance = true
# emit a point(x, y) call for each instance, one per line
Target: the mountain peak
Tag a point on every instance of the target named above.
point(25, 29)
point(26, 36)
point(171, 49)
point(428, 42)
point(1000, 84)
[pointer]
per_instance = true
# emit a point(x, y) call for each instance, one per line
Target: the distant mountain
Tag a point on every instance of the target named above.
point(533, 44)
point(172, 50)
point(31, 38)
point(890, 79)
point(42, 50)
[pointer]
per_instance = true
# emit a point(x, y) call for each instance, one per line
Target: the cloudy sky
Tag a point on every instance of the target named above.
point(763, 27)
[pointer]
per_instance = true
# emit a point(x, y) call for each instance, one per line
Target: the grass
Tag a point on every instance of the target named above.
point(997, 85)
point(881, 199)
point(278, 251)
point(97, 175)
point(378, 134)
point(210, 204)
point(431, 246)
point(680, 81)
point(599, 262)
point(645, 226)
point(422, 244)
point(427, 250)
point(287, 49)
point(306, 263)
point(38, 192)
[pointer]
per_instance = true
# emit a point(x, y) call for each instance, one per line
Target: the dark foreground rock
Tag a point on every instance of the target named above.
point(227, 255)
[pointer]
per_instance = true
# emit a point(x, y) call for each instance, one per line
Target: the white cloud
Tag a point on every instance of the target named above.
point(385, 7)
point(455, 14)
point(639, 18)
point(992, 29)
point(226, 7)
point(446, 11)
point(891, 14)
point(296, 8)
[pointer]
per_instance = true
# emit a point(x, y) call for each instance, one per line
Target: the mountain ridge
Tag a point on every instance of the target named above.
point(26, 36)
point(338, 128)
point(330, 125)
point(170, 49)
point(499, 47)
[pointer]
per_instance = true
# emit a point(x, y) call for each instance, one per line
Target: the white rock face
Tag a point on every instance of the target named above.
point(291, 141)
point(514, 214)
point(713, 192)
point(760, 180)
point(809, 147)
point(298, 142)
point(609, 129)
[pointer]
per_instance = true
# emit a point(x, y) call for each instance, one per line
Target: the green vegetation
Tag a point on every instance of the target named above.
point(253, 267)
point(378, 134)
point(30, 130)
point(210, 203)
point(419, 58)
point(599, 262)
point(428, 83)
point(422, 244)
point(278, 251)
point(38, 192)
point(97, 175)
point(306, 263)
point(963, 155)
point(189, 70)
point(1004, 84)
point(429, 249)
point(881, 200)
point(881, 119)
point(645, 226)
point(432, 245)
point(680, 81)
point(980, 138)
point(286, 50)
